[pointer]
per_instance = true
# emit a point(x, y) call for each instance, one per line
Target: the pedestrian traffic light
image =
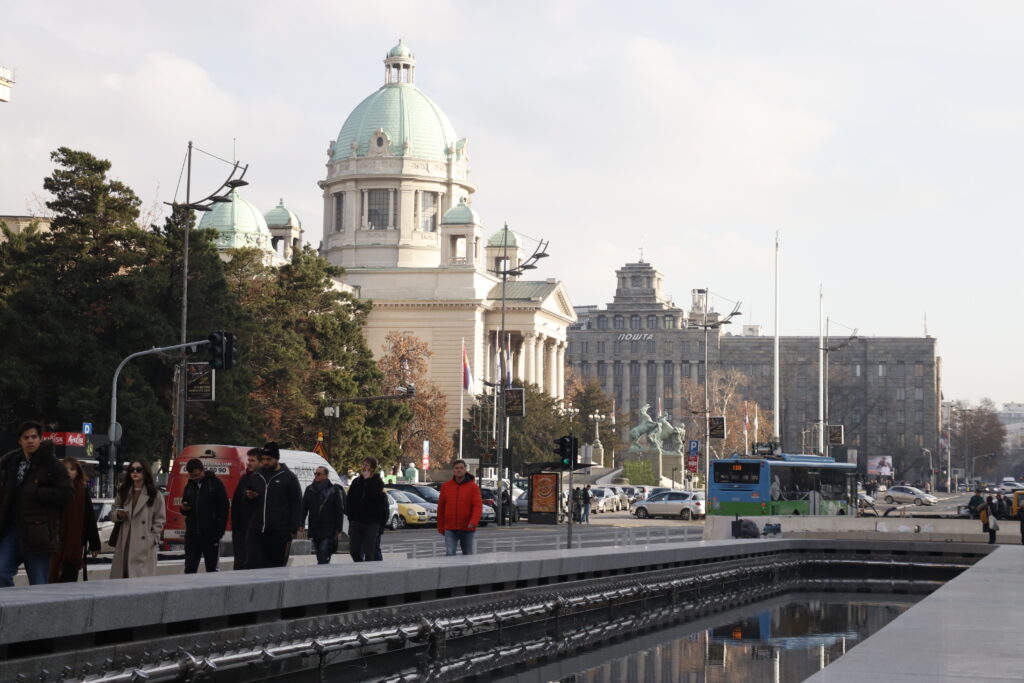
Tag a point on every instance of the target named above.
point(222, 350)
point(563, 449)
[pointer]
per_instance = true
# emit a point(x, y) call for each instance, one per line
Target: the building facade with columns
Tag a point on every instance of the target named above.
point(398, 217)
point(640, 348)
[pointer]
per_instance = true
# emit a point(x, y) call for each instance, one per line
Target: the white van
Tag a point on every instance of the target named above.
point(304, 464)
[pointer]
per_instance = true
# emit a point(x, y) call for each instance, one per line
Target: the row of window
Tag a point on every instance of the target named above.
point(634, 346)
point(668, 322)
point(380, 208)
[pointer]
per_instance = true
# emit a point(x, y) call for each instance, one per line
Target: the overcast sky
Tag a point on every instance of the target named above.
point(882, 140)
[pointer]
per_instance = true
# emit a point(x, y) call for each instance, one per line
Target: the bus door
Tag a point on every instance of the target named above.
point(814, 492)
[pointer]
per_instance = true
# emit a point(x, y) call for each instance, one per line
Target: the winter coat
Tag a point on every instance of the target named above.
point(78, 529)
point(278, 503)
point(323, 505)
point(460, 505)
point(140, 534)
point(36, 505)
point(207, 516)
point(241, 506)
point(366, 502)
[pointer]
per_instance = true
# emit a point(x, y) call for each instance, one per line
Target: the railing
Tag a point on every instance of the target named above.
point(557, 541)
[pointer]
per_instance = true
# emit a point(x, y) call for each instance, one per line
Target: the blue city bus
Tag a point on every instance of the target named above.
point(781, 484)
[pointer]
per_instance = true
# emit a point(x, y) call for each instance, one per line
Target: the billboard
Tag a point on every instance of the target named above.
point(880, 465)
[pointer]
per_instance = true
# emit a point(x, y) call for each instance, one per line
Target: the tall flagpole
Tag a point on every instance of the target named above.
point(821, 370)
point(777, 432)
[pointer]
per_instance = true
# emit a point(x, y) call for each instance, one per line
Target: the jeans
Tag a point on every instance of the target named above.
point(453, 538)
point(37, 566)
point(586, 513)
point(197, 547)
point(324, 548)
point(364, 542)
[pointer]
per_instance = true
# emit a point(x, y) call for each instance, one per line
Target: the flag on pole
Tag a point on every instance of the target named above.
point(508, 361)
point(467, 372)
point(755, 422)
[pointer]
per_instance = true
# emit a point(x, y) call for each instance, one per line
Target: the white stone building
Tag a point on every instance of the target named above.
point(398, 217)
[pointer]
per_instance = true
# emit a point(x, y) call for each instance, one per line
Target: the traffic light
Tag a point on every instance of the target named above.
point(222, 350)
point(574, 449)
point(103, 457)
point(563, 449)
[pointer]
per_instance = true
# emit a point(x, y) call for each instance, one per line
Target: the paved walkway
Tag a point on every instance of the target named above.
point(971, 629)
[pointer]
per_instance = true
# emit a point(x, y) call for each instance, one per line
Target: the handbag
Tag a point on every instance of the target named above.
point(114, 533)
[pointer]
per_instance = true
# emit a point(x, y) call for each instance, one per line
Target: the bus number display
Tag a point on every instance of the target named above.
point(737, 473)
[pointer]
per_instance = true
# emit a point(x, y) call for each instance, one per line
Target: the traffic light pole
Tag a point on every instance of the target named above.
point(114, 431)
point(572, 509)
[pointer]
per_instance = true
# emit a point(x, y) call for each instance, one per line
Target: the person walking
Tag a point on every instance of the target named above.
point(367, 509)
point(276, 517)
point(587, 497)
point(139, 507)
point(458, 510)
point(34, 488)
point(975, 503)
point(322, 505)
point(77, 531)
point(241, 510)
point(989, 523)
point(204, 503)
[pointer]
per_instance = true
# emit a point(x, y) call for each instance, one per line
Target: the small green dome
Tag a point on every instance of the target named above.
point(503, 238)
point(238, 223)
point(460, 214)
point(282, 217)
point(400, 50)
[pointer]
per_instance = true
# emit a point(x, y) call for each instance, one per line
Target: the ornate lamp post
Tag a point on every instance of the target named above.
point(204, 204)
point(597, 447)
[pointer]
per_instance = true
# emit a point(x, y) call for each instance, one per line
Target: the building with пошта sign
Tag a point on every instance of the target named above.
point(641, 346)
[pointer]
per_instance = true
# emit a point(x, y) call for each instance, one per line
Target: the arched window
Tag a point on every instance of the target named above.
point(619, 322)
point(634, 322)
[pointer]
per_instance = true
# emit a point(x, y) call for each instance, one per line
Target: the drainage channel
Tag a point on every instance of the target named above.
point(434, 640)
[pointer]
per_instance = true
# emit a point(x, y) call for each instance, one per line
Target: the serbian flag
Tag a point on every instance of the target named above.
point(467, 372)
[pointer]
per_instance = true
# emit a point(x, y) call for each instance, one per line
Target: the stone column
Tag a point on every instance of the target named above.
point(627, 405)
point(642, 399)
point(365, 210)
point(391, 209)
point(539, 361)
point(552, 368)
point(659, 380)
point(560, 369)
point(529, 357)
point(519, 364)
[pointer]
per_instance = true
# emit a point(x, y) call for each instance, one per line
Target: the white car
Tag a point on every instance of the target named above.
point(1008, 487)
point(679, 504)
point(603, 500)
point(909, 494)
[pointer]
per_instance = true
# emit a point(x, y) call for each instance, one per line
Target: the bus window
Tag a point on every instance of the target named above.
point(737, 472)
point(794, 483)
point(833, 484)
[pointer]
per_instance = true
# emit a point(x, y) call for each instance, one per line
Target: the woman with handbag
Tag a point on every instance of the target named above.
point(77, 529)
point(989, 523)
point(139, 517)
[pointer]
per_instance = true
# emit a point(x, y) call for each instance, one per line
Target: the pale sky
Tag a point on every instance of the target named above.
point(881, 139)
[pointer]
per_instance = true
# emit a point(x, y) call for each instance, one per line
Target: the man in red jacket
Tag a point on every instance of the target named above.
point(458, 510)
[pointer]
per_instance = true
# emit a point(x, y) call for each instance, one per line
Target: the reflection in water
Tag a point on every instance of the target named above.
point(786, 640)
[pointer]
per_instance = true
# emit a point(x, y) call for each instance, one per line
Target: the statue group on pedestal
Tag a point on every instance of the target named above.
point(659, 435)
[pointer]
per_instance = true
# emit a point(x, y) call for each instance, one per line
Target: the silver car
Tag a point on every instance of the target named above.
point(909, 494)
point(623, 497)
point(603, 500)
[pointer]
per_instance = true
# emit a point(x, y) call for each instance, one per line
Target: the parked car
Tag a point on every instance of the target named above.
point(909, 494)
point(102, 508)
point(487, 515)
point(424, 491)
point(682, 504)
point(409, 497)
point(489, 496)
point(642, 492)
point(1008, 487)
point(408, 512)
point(603, 500)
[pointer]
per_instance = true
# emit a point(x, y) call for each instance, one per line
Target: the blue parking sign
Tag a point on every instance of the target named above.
point(87, 427)
point(694, 445)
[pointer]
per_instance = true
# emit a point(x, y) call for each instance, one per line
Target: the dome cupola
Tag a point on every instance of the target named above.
point(239, 224)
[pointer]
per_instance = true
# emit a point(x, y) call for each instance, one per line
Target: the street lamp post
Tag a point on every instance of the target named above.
point(826, 349)
point(597, 417)
point(727, 320)
point(505, 271)
point(204, 204)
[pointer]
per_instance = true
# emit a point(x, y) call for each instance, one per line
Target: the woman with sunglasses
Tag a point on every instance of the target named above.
point(77, 529)
point(139, 506)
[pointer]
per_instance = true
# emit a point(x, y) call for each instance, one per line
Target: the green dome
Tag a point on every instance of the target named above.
point(460, 214)
point(238, 224)
point(498, 239)
point(282, 217)
point(400, 50)
point(415, 126)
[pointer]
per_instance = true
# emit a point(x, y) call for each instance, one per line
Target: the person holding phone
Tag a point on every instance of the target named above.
point(139, 507)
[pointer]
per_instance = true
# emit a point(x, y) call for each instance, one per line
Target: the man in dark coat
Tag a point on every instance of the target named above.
point(34, 488)
point(241, 510)
point(323, 505)
point(276, 499)
point(367, 511)
point(204, 504)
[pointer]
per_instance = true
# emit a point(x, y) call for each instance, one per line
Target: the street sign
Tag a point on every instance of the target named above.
point(87, 428)
point(694, 446)
point(692, 461)
point(835, 435)
point(716, 427)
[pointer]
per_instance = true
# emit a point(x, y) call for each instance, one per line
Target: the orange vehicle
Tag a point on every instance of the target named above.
point(227, 462)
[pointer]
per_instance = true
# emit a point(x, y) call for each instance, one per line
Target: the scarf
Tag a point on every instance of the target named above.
point(72, 523)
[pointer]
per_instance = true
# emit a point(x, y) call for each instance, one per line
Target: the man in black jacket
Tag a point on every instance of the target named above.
point(34, 488)
point(323, 505)
point(204, 504)
point(241, 509)
point(367, 511)
point(276, 499)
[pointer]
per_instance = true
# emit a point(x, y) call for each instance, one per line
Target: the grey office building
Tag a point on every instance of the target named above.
point(885, 391)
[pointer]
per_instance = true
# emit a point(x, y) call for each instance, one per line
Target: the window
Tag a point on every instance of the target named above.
point(670, 322)
point(667, 347)
point(684, 347)
point(619, 322)
point(669, 371)
point(700, 371)
point(634, 373)
point(585, 367)
point(602, 323)
point(856, 370)
point(377, 209)
point(602, 369)
point(634, 346)
point(901, 394)
point(919, 394)
point(600, 347)
point(881, 369)
point(617, 346)
point(684, 370)
point(428, 211)
point(901, 440)
point(652, 322)
point(339, 212)
point(618, 369)
point(918, 416)
point(584, 347)
point(918, 369)
point(700, 347)
point(634, 322)
point(900, 368)
point(919, 440)
point(901, 416)
point(650, 346)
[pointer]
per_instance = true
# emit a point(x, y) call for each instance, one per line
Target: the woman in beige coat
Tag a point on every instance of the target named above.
point(139, 506)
